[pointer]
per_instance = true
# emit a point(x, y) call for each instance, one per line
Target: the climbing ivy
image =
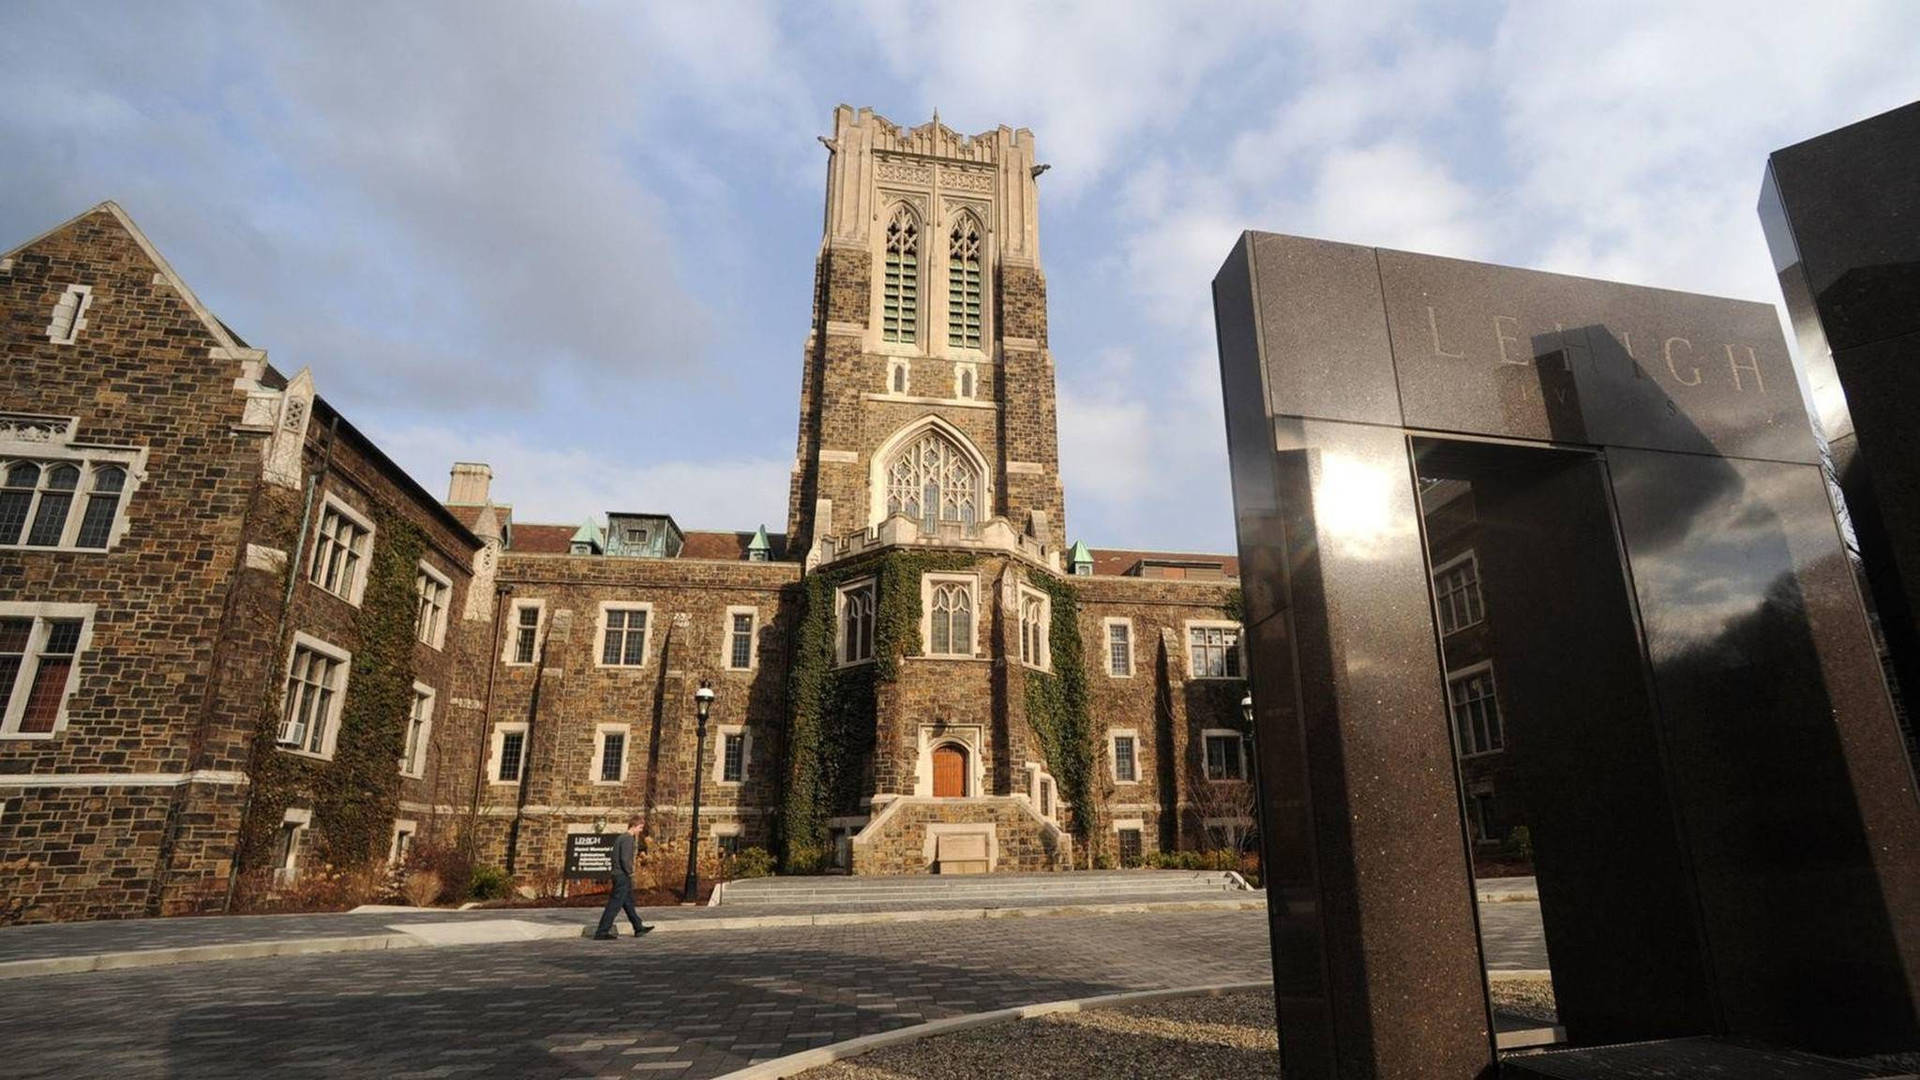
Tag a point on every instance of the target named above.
point(831, 719)
point(1057, 705)
point(1234, 604)
point(354, 796)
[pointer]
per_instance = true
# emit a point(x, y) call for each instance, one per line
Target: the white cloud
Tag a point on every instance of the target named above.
point(545, 482)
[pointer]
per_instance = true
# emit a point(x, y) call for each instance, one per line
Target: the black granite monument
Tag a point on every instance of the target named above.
point(1842, 217)
point(1725, 830)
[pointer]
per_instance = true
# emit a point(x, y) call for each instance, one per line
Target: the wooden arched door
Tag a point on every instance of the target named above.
point(949, 770)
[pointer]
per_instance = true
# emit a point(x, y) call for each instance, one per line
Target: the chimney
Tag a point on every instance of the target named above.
point(471, 480)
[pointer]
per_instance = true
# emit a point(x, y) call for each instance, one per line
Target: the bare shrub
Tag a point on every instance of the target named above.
point(422, 888)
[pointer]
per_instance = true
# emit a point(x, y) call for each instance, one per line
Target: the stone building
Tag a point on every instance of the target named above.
point(202, 564)
point(1489, 786)
point(918, 673)
point(237, 642)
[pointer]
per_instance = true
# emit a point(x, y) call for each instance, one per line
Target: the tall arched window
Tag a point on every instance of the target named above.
point(950, 620)
point(102, 504)
point(16, 497)
point(56, 498)
point(963, 284)
point(900, 292)
point(930, 479)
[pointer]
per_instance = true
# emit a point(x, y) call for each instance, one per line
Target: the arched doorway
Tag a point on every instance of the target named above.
point(949, 771)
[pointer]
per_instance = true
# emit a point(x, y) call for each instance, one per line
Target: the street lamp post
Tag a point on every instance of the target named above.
point(1253, 766)
point(702, 702)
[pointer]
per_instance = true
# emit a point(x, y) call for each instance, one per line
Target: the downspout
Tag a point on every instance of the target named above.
point(471, 837)
point(280, 630)
point(526, 748)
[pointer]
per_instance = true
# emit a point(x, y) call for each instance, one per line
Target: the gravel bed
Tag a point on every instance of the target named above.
point(1529, 999)
point(1228, 1037)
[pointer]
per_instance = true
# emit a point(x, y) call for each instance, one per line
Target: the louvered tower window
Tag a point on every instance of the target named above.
point(900, 304)
point(963, 284)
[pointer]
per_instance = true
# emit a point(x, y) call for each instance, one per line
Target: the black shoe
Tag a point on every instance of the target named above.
point(639, 930)
point(605, 937)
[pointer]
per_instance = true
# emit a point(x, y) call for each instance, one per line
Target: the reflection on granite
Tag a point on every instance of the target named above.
point(1752, 910)
point(1841, 214)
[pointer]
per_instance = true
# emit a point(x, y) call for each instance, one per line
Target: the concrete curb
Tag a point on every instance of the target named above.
point(864, 918)
point(792, 1064)
point(420, 935)
point(1512, 974)
point(189, 954)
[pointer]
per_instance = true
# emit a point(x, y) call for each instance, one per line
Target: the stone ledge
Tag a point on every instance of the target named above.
point(239, 950)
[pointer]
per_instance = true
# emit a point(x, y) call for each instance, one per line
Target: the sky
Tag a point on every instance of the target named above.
point(576, 240)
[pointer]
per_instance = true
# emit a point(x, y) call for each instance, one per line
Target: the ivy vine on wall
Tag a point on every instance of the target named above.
point(831, 720)
point(1057, 706)
point(355, 795)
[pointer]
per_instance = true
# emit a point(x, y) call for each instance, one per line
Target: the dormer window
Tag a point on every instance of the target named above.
point(70, 315)
point(900, 291)
point(963, 284)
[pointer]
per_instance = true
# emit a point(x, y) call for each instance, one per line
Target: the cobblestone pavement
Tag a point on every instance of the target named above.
point(1511, 935)
point(67, 939)
point(695, 1005)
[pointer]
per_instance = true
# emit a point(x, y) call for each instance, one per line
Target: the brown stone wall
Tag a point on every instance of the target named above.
point(832, 379)
point(688, 626)
point(896, 844)
point(1160, 701)
point(141, 374)
point(187, 645)
point(343, 465)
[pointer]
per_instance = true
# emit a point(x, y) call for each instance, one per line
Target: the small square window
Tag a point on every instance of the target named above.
point(624, 640)
point(613, 756)
point(1224, 758)
point(733, 756)
point(1126, 767)
point(509, 753)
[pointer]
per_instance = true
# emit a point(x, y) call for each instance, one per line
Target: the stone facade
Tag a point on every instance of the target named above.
point(175, 773)
point(131, 800)
point(868, 401)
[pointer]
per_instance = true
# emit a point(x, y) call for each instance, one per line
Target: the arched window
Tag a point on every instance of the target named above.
point(102, 504)
point(856, 623)
point(951, 620)
point(56, 498)
point(963, 381)
point(16, 498)
point(931, 479)
point(1033, 629)
point(963, 284)
point(900, 292)
point(900, 377)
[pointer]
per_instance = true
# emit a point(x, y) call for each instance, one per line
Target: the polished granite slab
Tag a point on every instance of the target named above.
point(1729, 835)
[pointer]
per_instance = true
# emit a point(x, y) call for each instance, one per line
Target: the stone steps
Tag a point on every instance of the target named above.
point(996, 888)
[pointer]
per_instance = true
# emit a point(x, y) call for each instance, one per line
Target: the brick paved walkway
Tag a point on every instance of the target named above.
point(66, 939)
point(686, 1006)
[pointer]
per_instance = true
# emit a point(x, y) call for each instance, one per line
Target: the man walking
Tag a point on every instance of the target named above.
point(624, 850)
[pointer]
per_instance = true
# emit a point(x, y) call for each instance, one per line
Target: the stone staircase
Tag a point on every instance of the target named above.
point(989, 890)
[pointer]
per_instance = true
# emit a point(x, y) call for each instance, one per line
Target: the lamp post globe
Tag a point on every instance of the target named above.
point(702, 704)
point(1246, 709)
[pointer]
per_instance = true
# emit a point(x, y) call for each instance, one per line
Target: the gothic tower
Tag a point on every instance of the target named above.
point(928, 389)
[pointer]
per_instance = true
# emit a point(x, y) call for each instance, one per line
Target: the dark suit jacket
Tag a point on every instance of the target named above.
point(623, 852)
